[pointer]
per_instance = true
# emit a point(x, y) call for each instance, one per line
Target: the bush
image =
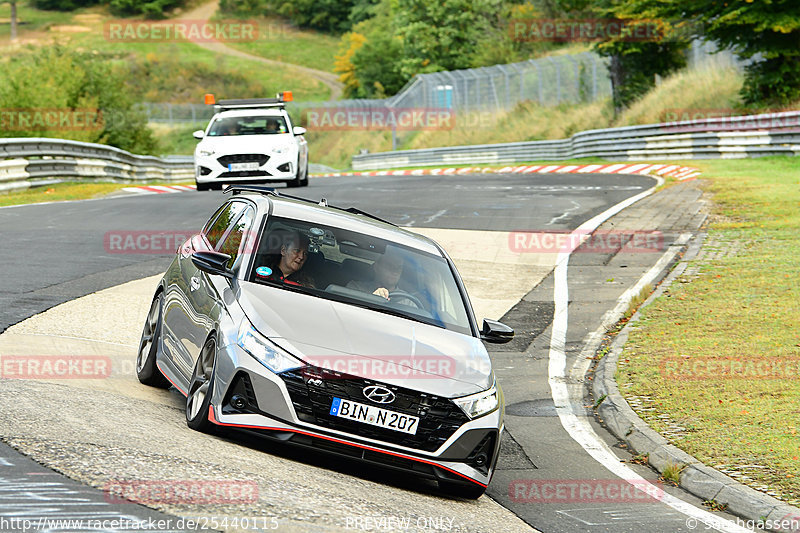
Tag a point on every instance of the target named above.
point(57, 79)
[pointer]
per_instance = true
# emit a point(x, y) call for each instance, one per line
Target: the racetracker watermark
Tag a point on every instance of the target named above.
point(598, 242)
point(176, 492)
point(689, 368)
point(144, 242)
point(591, 30)
point(380, 118)
point(198, 31)
point(55, 366)
point(381, 367)
point(583, 491)
point(679, 120)
point(50, 119)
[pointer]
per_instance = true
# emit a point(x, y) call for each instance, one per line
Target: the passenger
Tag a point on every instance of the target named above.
point(286, 267)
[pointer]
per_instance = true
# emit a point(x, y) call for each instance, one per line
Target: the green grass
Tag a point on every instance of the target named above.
point(282, 42)
point(744, 306)
point(61, 192)
point(30, 19)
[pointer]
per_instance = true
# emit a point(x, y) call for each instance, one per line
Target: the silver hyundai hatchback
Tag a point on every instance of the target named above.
point(332, 329)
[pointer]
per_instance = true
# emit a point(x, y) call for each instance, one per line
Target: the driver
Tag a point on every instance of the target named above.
point(386, 273)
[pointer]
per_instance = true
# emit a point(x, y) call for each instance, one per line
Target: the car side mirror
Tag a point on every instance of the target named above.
point(496, 332)
point(299, 130)
point(199, 134)
point(213, 263)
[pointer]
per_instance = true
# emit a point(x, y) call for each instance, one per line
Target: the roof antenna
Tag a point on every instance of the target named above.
point(323, 202)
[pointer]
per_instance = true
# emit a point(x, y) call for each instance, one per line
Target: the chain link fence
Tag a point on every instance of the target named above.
point(549, 81)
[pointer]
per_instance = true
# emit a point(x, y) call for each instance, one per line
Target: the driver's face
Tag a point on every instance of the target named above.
point(388, 273)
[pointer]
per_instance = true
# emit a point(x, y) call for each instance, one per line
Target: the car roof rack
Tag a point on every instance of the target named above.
point(261, 189)
point(249, 103)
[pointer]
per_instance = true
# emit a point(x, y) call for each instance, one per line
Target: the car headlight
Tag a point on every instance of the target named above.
point(207, 152)
point(479, 404)
point(267, 353)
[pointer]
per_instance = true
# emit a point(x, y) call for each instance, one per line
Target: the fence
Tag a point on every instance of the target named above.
point(729, 137)
point(27, 162)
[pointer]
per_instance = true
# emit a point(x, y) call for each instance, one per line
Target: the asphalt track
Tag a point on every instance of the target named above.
point(59, 254)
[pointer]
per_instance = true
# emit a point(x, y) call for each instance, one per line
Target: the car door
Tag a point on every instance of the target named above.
point(190, 299)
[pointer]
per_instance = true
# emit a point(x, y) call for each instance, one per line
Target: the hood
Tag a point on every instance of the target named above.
point(367, 343)
point(247, 144)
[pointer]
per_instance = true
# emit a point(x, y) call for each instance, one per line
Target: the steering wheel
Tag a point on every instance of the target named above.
point(403, 295)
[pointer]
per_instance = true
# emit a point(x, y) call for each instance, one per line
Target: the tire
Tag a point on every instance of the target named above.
point(202, 186)
point(201, 388)
point(146, 369)
point(471, 491)
point(301, 180)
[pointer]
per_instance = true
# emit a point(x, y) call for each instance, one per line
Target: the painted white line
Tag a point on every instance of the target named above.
point(578, 427)
point(137, 190)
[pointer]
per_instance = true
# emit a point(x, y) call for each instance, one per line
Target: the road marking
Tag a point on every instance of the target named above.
point(565, 214)
point(608, 517)
point(577, 427)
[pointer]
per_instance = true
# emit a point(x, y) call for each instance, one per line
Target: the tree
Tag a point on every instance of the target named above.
point(442, 35)
point(767, 32)
point(13, 19)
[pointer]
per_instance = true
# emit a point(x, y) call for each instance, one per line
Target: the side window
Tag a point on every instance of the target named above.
point(215, 231)
point(232, 244)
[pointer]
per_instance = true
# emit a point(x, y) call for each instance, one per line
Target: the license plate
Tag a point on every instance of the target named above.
point(374, 416)
point(238, 167)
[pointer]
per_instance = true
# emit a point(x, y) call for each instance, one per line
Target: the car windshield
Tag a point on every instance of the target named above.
point(359, 269)
point(227, 126)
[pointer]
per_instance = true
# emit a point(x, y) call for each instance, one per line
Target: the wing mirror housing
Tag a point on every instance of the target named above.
point(496, 332)
point(213, 263)
point(199, 134)
point(299, 130)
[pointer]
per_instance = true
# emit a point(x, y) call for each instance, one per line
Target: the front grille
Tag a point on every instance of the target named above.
point(439, 417)
point(244, 174)
point(226, 160)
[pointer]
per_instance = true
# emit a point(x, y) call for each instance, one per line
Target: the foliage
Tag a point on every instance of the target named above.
point(63, 5)
point(349, 45)
point(768, 32)
point(442, 35)
point(61, 80)
point(153, 9)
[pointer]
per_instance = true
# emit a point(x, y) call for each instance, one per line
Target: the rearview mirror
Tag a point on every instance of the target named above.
point(298, 130)
point(199, 134)
point(213, 263)
point(496, 332)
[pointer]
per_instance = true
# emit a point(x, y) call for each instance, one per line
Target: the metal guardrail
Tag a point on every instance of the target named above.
point(25, 162)
point(726, 137)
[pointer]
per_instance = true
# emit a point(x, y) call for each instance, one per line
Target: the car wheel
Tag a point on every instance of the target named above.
point(201, 387)
point(470, 491)
point(203, 186)
point(302, 178)
point(146, 369)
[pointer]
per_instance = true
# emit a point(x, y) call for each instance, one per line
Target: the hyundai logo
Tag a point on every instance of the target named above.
point(378, 394)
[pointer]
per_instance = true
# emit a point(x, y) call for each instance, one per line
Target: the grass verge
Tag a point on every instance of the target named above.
point(719, 353)
point(61, 192)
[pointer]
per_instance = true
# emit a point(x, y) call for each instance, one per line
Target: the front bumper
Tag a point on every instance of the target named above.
point(219, 168)
point(468, 454)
